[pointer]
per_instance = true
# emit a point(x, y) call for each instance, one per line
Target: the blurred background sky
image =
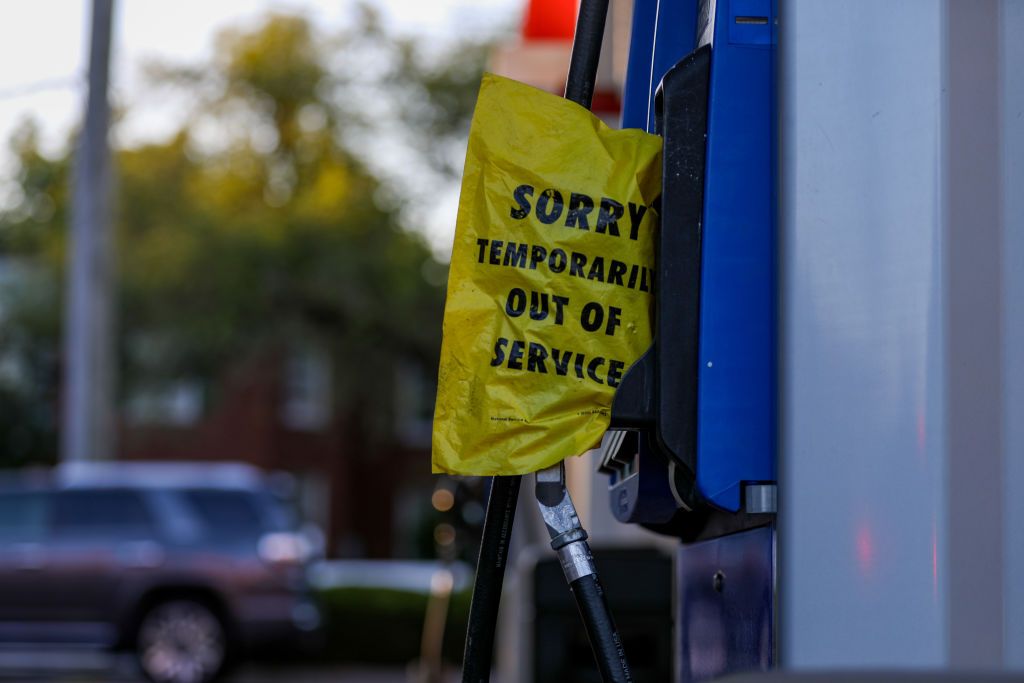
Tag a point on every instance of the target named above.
point(43, 60)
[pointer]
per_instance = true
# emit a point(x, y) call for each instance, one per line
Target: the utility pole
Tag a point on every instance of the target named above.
point(88, 411)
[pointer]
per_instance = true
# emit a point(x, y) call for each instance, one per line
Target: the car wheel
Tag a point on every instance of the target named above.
point(181, 641)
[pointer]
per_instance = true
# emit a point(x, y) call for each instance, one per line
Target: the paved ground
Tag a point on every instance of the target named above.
point(249, 675)
point(341, 675)
point(290, 675)
point(93, 667)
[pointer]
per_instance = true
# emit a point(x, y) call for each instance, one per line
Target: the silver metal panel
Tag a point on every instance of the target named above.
point(862, 489)
point(973, 302)
point(902, 258)
point(726, 606)
point(760, 498)
point(1012, 22)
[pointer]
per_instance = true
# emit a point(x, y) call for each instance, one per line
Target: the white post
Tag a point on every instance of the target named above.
point(88, 413)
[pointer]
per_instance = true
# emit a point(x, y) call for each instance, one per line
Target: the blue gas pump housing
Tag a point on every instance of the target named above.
point(701, 405)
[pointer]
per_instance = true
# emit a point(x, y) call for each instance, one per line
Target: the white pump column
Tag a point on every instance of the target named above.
point(902, 353)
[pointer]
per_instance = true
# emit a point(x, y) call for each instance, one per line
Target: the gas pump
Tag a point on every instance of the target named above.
point(691, 449)
point(900, 384)
point(691, 452)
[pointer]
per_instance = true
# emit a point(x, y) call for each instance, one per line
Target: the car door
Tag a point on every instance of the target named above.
point(24, 518)
point(100, 540)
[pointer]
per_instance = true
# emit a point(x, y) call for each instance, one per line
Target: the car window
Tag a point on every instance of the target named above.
point(101, 513)
point(227, 515)
point(22, 516)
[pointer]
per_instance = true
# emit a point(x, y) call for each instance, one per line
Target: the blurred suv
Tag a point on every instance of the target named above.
point(189, 565)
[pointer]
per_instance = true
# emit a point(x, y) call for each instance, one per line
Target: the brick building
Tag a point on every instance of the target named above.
point(276, 412)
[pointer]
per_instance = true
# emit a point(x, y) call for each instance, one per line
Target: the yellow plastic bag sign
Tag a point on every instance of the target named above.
point(550, 291)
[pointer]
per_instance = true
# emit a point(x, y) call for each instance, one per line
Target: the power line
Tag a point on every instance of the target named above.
point(24, 89)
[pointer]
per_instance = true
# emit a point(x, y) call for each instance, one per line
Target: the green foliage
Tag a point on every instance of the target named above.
point(385, 626)
point(256, 226)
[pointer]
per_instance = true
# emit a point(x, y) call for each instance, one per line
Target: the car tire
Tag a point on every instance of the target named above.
point(181, 641)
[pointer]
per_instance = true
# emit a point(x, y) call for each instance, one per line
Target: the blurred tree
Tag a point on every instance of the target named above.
point(263, 223)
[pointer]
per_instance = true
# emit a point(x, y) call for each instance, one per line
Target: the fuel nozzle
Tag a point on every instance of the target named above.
point(568, 537)
point(569, 541)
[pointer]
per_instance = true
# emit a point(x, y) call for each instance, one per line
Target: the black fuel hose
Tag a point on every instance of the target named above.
point(604, 637)
point(490, 574)
point(590, 598)
point(501, 506)
point(586, 52)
